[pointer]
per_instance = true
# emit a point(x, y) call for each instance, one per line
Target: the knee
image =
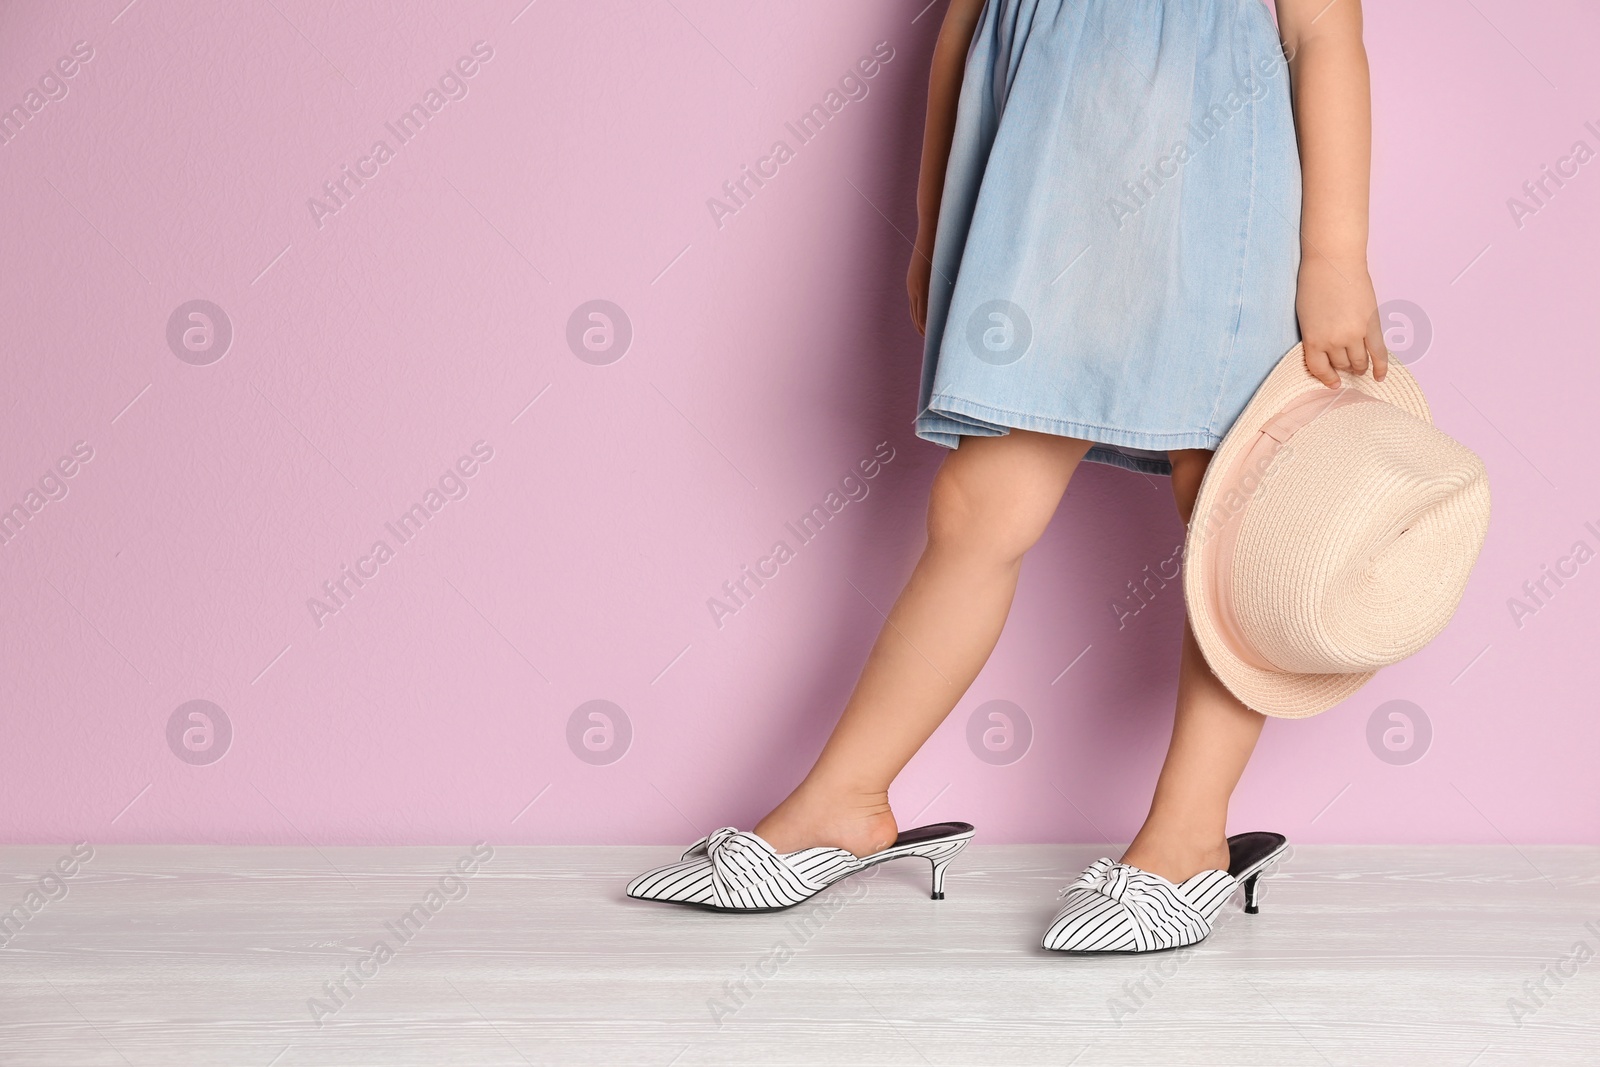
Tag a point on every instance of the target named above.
point(998, 521)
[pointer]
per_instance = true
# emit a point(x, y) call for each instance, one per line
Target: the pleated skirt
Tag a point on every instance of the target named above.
point(1118, 240)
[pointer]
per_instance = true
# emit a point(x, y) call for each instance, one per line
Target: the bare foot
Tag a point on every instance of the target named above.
point(1174, 857)
point(861, 824)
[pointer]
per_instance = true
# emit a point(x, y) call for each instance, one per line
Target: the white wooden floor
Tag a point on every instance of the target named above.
point(189, 955)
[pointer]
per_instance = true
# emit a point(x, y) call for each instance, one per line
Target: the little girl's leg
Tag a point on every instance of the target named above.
point(991, 500)
point(1213, 735)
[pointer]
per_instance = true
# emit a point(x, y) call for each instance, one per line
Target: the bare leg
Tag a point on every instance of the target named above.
point(1213, 735)
point(991, 500)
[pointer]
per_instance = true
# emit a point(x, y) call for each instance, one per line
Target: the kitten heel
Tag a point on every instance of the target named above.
point(1249, 857)
point(937, 844)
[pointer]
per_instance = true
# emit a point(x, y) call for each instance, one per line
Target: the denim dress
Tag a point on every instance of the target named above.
point(1118, 241)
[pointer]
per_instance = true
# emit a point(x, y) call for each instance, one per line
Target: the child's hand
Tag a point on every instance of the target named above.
point(917, 280)
point(1339, 326)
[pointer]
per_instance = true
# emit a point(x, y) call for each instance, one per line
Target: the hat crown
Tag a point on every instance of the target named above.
point(1360, 541)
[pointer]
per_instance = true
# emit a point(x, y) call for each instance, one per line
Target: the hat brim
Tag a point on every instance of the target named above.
point(1281, 694)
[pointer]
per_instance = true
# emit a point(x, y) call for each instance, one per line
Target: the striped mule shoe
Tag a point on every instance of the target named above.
point(734, 870)
point(1116, 907)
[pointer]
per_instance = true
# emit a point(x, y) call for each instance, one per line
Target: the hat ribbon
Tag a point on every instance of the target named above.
point(1251, 468)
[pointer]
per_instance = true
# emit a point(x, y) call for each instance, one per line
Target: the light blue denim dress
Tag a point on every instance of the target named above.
point(1118, 241)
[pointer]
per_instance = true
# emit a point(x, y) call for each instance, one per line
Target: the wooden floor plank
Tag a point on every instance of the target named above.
point(222, 955)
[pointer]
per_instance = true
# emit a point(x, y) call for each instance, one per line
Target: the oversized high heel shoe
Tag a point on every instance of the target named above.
point(734, 870)
point(1116, 907)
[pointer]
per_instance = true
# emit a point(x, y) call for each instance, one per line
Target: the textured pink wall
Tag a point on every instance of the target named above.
point(406, 327)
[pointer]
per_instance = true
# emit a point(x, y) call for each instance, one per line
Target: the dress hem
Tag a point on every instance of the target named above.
point(949, 418)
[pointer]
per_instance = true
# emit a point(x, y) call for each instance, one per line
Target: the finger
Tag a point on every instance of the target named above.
point(1317, 364)
point(1378, 349)
point(1339, 358)
point(1358, 357)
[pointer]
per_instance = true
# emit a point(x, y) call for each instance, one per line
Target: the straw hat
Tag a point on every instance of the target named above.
point(1333, 535)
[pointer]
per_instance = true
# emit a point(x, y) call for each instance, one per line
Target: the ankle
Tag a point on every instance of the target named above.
point(845, 800)
point(859, 823)
point(1177, 855)
point(838, 788)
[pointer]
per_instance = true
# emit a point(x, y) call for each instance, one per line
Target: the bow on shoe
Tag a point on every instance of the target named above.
point(1158, 910)
point(746, 872)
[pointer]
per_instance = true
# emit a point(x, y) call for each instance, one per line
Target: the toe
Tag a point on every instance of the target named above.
point(1091, 922)
point(687, 882)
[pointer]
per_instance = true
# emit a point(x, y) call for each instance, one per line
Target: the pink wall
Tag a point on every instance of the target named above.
point(375, 346)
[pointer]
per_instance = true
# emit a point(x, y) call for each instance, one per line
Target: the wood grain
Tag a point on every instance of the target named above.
point(210, 955)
